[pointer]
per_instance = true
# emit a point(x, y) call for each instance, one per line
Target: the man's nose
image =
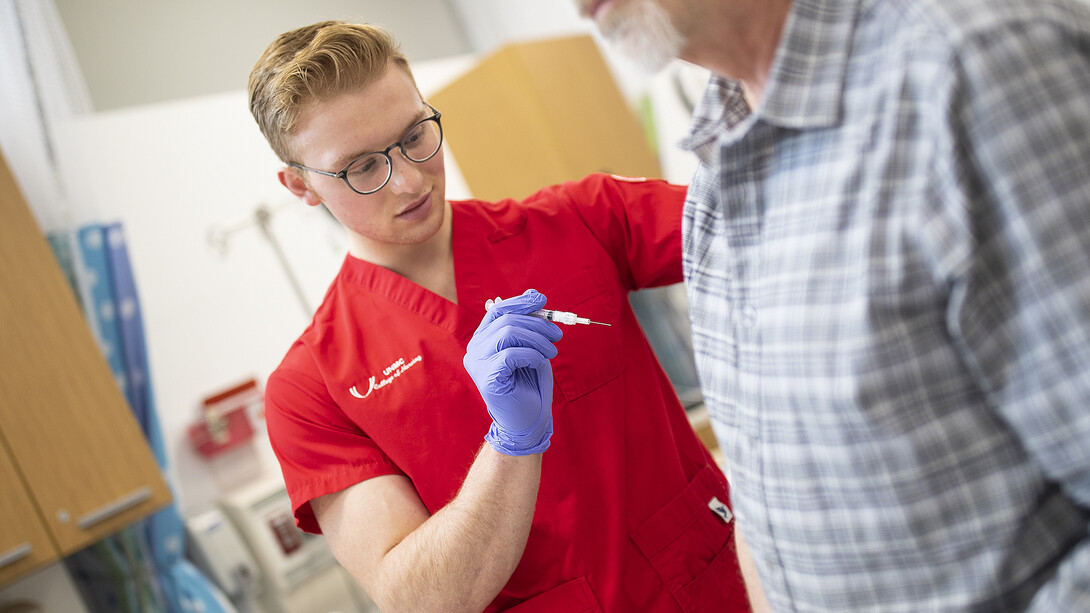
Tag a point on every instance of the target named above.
point(406, 176)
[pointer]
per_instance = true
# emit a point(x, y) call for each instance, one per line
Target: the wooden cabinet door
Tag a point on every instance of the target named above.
point(65, 421)
point(24, 542)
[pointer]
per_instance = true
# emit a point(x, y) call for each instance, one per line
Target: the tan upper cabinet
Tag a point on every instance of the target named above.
point(81, 460)
point(24, 542)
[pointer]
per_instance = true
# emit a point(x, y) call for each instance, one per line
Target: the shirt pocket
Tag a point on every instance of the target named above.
point(692, 548)
point(575, 596)
point(589, 356)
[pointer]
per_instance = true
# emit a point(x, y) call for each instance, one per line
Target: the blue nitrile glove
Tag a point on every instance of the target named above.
point(508, 360)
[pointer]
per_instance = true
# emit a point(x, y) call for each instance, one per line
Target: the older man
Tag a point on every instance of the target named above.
point(886, 248)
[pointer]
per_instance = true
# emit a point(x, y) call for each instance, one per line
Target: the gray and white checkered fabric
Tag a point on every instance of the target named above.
point(888, 268)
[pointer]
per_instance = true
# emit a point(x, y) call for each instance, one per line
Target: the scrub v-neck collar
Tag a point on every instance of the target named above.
point(459, 319)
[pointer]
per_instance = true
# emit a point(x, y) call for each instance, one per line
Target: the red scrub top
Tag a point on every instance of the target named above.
point(376, 386)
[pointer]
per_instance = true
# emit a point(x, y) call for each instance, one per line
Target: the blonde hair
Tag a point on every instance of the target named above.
point(311, 64)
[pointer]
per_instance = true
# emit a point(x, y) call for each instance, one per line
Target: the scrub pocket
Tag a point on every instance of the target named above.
point(692, 548)
point(574, 596)
point(589, 356)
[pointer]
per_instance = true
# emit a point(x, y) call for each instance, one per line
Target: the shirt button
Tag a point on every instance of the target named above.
point(749, 316)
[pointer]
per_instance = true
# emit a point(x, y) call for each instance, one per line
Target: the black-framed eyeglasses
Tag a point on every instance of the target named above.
point(371, 172)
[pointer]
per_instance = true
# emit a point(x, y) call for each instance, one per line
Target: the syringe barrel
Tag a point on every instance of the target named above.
point(561, 317)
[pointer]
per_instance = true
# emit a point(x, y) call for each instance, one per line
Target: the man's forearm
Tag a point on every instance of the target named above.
point(461, 557)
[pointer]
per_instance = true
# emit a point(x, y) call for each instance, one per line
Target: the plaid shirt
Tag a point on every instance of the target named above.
point(888, 268)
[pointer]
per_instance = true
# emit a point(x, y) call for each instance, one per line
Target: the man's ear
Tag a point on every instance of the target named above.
point(292, 179)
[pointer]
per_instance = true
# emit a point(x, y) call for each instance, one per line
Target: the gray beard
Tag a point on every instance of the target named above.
point(644, 33)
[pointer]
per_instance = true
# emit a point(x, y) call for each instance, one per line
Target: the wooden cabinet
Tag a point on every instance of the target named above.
point(74, 465)
point(24, 541)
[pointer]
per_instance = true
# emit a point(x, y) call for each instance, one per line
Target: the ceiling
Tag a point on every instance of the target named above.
point(135, 52)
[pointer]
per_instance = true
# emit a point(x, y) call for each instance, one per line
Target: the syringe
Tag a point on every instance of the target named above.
point(560, 317)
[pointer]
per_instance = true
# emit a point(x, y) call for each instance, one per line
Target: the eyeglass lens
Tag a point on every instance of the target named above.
point(371, 171)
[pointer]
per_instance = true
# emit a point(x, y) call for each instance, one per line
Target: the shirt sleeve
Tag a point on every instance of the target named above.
point(1020, 308)
point(637, 220)
point(320, 450)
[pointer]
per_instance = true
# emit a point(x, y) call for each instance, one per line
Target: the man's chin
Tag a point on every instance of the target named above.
point(643, 34)
point(646, 60)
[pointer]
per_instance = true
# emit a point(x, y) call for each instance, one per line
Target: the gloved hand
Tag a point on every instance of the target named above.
point(508, 359)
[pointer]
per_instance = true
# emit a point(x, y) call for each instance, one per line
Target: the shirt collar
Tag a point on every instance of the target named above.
point(806, 81)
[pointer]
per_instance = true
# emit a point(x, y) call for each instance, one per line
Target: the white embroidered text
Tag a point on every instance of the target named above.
point(391, 372)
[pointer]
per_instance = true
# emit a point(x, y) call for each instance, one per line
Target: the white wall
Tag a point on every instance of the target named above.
point(490, 23)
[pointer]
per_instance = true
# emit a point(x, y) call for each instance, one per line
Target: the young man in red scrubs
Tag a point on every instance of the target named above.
point(562, 475)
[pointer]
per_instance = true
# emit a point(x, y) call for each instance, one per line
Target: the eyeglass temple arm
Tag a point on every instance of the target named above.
point(335, 175)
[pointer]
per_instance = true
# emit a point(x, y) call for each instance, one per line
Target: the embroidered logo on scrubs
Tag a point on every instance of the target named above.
point(720, 509)
point(389, 374)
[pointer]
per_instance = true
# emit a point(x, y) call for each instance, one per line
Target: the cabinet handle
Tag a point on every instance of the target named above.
point(105, 512)
point(15, 554)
